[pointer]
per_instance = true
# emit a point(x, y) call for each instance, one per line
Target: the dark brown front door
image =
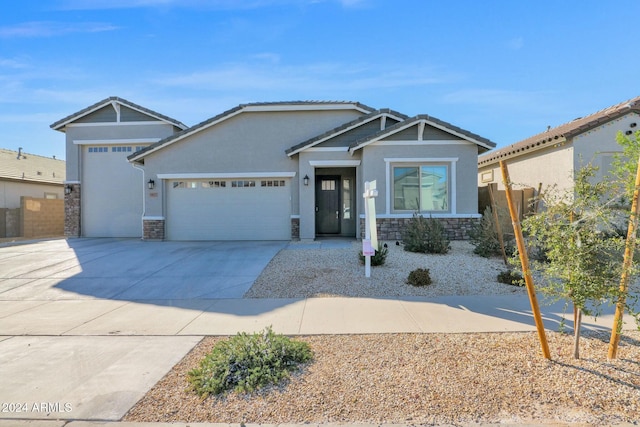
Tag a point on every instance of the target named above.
point(328, 204)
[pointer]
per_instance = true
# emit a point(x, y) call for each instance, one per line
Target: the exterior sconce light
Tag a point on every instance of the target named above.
point(306, 180)
point(151, 184)
point(68, 189)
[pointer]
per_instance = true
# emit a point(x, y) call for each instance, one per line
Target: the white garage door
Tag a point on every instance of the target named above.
point(111, 193)
point(233, 209)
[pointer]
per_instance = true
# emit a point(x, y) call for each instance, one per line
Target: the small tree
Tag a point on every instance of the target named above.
point(582, 252)
point(624, 164)
point(625, 168)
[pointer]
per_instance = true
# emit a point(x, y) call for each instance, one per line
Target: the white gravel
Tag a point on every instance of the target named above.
point(424, 379)
point(300, 272)
point(414, 379)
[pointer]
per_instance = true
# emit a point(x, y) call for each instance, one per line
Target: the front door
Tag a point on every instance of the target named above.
point(328, 204)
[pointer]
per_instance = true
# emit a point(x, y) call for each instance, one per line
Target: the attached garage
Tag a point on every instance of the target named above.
point(230, 208)
point(112, 194)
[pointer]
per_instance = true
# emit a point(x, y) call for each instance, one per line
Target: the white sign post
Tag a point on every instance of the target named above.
point(370, 242)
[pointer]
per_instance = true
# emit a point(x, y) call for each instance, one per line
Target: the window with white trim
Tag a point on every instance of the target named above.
point(421, 187)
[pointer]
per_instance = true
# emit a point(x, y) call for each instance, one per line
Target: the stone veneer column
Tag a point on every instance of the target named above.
point(295, 228)
point(72, 226)
point(153, 229)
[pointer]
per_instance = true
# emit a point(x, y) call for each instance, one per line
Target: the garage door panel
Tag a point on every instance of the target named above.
point(111, 194)
point(197, 210)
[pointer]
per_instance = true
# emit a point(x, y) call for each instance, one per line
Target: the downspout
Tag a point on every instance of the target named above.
point(144, 200)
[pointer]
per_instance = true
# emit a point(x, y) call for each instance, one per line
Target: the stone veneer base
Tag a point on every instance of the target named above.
point(393, 228)
point(153, 229)
point(295, 228)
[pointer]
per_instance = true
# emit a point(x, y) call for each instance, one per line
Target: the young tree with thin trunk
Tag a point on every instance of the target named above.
point(581, 249)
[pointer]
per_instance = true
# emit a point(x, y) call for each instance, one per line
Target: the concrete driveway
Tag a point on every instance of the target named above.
point(80, 319)
point(130, 269)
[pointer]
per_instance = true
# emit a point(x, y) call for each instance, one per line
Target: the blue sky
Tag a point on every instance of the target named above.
point(503, 69)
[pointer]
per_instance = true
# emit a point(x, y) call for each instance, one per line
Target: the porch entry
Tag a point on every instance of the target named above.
point(335, 202)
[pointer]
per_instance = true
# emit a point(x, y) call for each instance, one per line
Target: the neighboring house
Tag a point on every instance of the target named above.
point(25, 175)
point(270, 171)
point(551, 157)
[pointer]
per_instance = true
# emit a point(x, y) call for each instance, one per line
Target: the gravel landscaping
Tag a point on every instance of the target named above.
point(424, 379)
point(414, 379)
point(300, 273)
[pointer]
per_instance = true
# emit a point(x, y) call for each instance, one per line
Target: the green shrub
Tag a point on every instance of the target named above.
point(419, 277)
point(425, 236)
point(511, 277)
point(379, 257)
point(245, 362)
point(484, 237)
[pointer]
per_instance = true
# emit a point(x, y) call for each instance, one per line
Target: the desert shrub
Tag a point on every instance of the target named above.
point(425, 235)
point(419, 277)
point(511, 277)
point(246, 362)
point(379, 257)
point(484, 237)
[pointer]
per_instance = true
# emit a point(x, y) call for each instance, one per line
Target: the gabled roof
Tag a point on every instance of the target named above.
point(563, 132)
point(60, 124)
point(374, 115)
point(21, 166)
point(251, 107)
point(427, 121)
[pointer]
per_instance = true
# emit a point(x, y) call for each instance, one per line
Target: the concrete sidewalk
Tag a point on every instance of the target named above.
point(198, 317)
point(92, 360)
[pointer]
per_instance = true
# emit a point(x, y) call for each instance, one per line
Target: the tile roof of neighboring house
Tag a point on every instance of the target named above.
point(345, 127)
point(21, 166)
point(431, 121)
point(562, 132)
point(255, 106)
point(60, 124)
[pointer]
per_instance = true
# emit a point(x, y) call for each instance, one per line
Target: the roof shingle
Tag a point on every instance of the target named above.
point(563, 132)
point(31, 167)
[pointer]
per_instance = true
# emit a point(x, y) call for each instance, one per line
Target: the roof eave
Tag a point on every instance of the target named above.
point(356, 123)
point(495, 157)
point(61, 124)
point(253, 107)
point(412, 122)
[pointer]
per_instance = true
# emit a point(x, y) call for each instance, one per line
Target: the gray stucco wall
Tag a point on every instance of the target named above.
point(107, 132)
point(250, 142)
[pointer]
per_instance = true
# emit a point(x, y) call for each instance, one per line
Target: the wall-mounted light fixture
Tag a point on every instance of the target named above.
point(68, 189)
point(151, 184)
point(306, 180)
point(632, 125)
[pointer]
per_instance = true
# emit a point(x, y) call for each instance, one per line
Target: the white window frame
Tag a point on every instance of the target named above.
point(451, 162)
